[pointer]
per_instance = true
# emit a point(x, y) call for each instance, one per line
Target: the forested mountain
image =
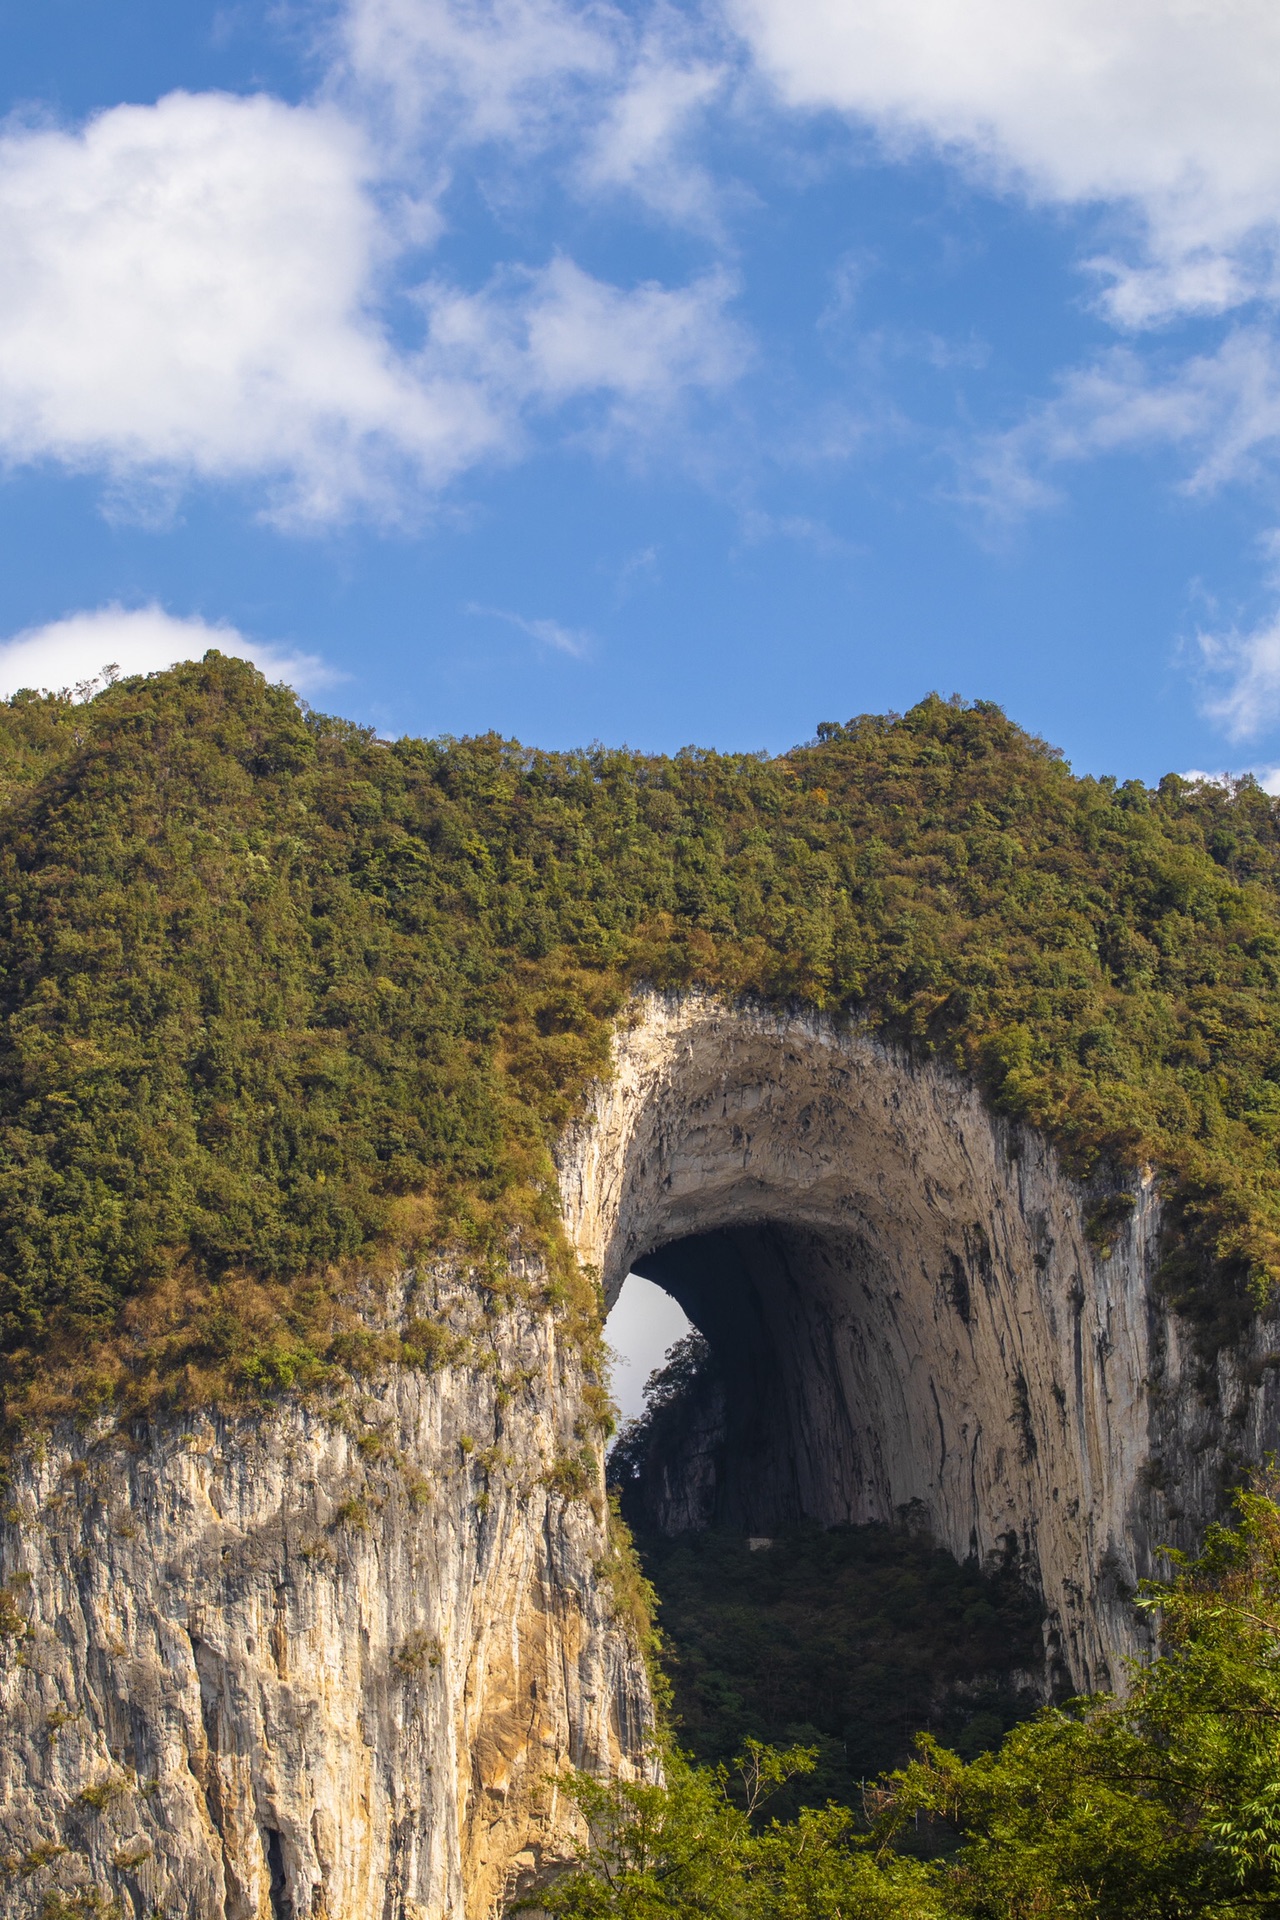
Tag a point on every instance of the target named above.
point(279, 996)
point(285, 1007)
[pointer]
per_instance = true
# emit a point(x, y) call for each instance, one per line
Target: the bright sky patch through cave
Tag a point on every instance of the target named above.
point(641, 1330)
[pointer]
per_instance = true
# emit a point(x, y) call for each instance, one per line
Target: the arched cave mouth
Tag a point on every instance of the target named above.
point(780, 1426)
point(911, 1318)
point(795, 1605)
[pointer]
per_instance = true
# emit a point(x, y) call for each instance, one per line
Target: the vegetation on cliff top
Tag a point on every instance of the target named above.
point(275, 994)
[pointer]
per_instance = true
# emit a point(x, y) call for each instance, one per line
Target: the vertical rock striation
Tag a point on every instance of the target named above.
point(327, 1661)
point(306, 1665)
point(912, 1310)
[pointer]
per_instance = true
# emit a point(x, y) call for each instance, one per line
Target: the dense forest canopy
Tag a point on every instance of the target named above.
point(279, 997)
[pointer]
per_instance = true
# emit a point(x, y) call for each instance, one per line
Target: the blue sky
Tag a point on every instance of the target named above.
point(654, 373)
point(643, 1327)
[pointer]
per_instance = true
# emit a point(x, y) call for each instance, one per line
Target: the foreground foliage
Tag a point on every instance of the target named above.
point(1161, 1806)
point(698, 1845)
point(275, 994)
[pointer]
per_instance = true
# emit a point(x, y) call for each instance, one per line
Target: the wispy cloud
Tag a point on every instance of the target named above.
point(1220, 409)
point(517, 72)
point(758, 526)
point(552, 335)
point(574, 641)
point(641, 145)
point(1246, 670)
point(639, 568)
point(606, 96)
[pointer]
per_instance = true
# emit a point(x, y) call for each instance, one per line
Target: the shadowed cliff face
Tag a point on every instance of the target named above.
point(907, 1313)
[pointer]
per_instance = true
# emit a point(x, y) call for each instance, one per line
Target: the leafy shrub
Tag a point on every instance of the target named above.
point(102, 1792)
point(420, 1652)
point(695, 1845)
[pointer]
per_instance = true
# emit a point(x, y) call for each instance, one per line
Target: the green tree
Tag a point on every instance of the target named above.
point(695, 1845)
point(1165, 1803)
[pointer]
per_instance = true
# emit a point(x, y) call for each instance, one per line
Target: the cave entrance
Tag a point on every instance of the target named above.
point(786, 1420)
point(900, 1296)
point(753, 1483)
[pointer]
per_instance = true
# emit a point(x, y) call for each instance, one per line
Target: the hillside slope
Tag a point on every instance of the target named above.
point(277, 997)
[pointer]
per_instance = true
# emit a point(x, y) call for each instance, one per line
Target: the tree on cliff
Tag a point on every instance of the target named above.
point(1159, 1806)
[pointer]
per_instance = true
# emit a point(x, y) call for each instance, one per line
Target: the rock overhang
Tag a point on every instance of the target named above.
point(939, 1334)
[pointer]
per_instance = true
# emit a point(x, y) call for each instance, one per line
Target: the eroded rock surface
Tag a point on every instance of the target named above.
point(908, 1313)
point(305, 1666)
point(259, 1669)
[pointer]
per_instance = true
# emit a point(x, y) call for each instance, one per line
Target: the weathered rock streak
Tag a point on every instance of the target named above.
point(305, 1665)
point(946, 1339)
point(326, 1661)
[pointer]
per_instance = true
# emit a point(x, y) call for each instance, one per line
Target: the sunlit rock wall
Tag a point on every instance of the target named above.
point(922, 1326)
point(306, 1665)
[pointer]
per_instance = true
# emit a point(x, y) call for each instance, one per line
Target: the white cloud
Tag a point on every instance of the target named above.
point(552, 336)
point(191, 290)
point(550, 633)
point(646, 344)
point(1221, 409)
point(1249, 664)
point(74, 651)
point(1168, 105)
point(187, 289)
point(613, 92)
point(758, 526)
point(639, 143)
point(474, 70)
point(1268, 778)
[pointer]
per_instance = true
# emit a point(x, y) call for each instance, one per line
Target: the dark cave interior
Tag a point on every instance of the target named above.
point(791, 1612)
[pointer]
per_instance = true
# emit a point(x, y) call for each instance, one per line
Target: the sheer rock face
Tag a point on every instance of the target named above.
point(294, 1666)
point(907, 1314)
point(297, 1665)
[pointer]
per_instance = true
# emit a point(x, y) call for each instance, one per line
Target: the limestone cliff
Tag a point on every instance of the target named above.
point(326, 1661)
point(909, 1311)
point(305, 1665)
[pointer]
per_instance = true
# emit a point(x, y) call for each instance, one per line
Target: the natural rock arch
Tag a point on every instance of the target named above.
point(352, 1652)
point(901, 1289)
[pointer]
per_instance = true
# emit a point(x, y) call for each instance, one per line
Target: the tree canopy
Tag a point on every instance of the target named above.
point(279, 998)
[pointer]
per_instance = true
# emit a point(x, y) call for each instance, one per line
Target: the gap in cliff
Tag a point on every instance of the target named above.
point(787, 1614)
